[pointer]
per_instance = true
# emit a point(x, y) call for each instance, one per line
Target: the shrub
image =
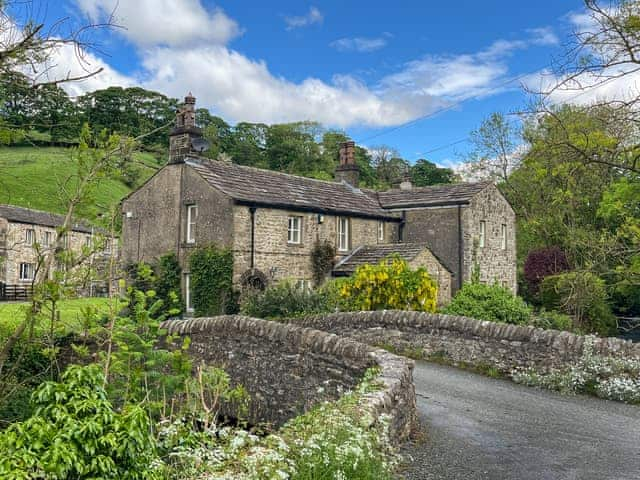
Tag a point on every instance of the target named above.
point(75, 433)
point(390, 285)
point(212, 281)
point(489, 302)
point(285, 300)
point(542, 263)
point(582, 295)
point(553, 320)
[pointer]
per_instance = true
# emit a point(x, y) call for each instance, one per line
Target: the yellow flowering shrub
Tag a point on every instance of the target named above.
point(389, 285)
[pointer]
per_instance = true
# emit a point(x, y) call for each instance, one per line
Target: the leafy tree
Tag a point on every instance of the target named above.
point(425, 173)
point(542, 263)
point(390, 285)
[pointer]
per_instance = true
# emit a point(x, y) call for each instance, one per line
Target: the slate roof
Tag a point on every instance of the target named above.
point(373, 254)
point(455, 194)
point(38, 217)
point(266, 187)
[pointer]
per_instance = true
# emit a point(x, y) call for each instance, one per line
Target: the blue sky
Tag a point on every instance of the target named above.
point(366, 67)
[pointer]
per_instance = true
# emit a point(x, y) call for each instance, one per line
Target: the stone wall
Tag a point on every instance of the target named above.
point(460, 339)
point(287, 369)
point(279, 260)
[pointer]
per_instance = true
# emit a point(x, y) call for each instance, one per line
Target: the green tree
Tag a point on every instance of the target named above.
point(425, 173)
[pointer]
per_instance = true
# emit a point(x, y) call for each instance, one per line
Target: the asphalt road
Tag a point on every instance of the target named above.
point(476, 427)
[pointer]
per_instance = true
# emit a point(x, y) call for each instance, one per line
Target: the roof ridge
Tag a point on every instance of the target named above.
point(275, 172)
point(431, 187)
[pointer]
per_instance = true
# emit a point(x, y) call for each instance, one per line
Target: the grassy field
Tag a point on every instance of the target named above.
point(11, 314)
point(32, 177)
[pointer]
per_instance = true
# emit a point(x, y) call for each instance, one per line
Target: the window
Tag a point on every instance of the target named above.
point(107, 245)
point(295, 230)
point(483, 231)
point(303, 285)
point(27, 271)
point(29, 235)
point(46, 239)
point(343, 234)
point(87, 241)
point(192, 215)
point(187, 293)
point(381, 231)
point(504, 236)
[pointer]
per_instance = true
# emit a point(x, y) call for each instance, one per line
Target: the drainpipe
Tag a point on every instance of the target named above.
point(460, 247)
point(252, 211)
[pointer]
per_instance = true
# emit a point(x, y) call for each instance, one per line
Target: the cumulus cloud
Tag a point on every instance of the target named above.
point(312, 16)
point(359, 44)
point(243, 89)
point(177, 23)
point(180, 52)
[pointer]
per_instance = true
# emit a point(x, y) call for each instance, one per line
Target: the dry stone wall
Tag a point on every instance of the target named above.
point(287, 369)
point(461, 339)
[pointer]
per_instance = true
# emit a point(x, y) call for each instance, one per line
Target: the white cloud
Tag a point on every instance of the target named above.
point(243, 89)
point(312, 16)
point(177, 23)
point(543, 36)
point(359, 44)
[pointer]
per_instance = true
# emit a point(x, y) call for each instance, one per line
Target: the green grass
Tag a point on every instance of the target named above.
point(31, 177)
point(11, 314)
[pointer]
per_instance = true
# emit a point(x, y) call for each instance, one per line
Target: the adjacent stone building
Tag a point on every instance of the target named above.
point(271, 221)
point(27, 235)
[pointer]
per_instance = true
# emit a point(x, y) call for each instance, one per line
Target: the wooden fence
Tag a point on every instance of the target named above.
point(17, 293)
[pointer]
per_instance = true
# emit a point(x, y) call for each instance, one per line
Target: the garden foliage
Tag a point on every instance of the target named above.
point(75, 433)
point(542, 263)
point(582, 295)
point(389, 285)
point(489, 302)
point(212, 281)
point(286, 300)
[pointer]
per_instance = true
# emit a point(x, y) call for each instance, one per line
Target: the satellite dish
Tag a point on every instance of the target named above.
point(200, 144)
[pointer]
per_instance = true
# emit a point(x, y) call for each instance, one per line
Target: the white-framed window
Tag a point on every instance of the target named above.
point(87, 241)
point(303, 285)
point(381, 231)
point(483, 234)
point(29, 236)
point(192, 216)
point(187, 293)
point(46, 239)
point(343, 234)
point(27, 271)
point(503, 236)
point(294, 234)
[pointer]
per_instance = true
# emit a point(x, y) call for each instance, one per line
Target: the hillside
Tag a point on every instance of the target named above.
point(32, 176)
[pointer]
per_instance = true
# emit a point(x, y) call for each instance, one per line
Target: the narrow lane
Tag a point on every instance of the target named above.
point(482, 428)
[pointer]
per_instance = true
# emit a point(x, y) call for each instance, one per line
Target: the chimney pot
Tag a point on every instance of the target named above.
point(348, 170)
point(184, 131)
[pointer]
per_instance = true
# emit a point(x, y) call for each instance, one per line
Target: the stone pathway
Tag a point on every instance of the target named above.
point(476, 427)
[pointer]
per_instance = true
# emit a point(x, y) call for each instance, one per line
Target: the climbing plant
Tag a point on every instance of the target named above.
point(212, 281)
point(322, 260)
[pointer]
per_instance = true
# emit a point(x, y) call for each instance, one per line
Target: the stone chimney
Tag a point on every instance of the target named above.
point(348, 171)
point(184, 131)
point(403, 183)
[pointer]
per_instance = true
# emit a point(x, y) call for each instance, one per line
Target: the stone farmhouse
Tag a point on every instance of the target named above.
point(27, 235)
point(271, 221)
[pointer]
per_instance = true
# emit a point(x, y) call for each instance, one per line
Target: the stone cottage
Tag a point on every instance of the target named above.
point(271, 220)
point(27, 234)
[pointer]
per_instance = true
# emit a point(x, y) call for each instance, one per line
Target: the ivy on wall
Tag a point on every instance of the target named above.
point(212, 281)
point(169, 275)
point(322, 260)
